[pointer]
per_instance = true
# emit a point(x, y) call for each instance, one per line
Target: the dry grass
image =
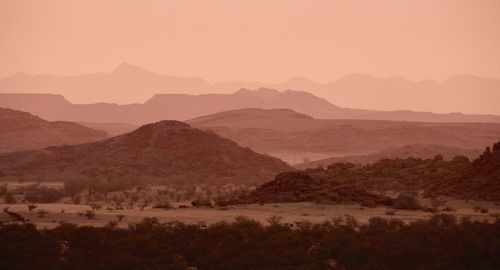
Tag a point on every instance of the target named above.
point(290, 212)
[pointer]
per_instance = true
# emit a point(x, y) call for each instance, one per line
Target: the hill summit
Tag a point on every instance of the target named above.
point(166, 150)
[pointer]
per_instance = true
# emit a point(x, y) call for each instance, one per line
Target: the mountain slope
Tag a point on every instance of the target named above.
point(185, 106)
point(167, 150)
point(136, 82)
point(293, 136)
point(23, 131)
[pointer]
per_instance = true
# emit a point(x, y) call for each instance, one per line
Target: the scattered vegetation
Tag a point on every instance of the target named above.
point(440, 242)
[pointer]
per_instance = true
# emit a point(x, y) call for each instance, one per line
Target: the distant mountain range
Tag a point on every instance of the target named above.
point(23, 131)
point(184, 107)
point(293, 136)
point(129, 84)
point(167, 150)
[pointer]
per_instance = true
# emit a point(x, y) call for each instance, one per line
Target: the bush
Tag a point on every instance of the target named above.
point(201, 203)
point(390, 212)
point(406, 201)
point(163, 205)
point(449, 209)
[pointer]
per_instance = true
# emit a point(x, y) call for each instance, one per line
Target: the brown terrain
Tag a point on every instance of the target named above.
point(292, 136)
point(348, 183)
point(22, 131)
point(481, 181)
point(167, 150)
point(296, 186)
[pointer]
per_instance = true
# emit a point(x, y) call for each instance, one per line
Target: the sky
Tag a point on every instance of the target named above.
point(253, 40)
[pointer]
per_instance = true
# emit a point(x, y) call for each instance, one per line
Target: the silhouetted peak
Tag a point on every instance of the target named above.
point(262, 92)
point(126, 68)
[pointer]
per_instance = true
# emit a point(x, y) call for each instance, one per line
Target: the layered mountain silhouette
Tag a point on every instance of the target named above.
point(23, 131)
point(166, 150)
point(459, 93)
point(293, 136)
point(184, 107)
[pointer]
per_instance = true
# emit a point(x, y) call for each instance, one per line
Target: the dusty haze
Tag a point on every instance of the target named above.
point(253, 40)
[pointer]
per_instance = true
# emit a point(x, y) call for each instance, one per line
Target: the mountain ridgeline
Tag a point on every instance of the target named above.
point(168, 150)
point(187, 106)
point(458, 93)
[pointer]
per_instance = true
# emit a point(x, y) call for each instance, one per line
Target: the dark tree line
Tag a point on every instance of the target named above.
point(441, 242)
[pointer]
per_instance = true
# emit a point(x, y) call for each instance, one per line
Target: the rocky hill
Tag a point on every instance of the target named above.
point(481, 181)
point(23, 131)
point(166, 150)
point(298, 186)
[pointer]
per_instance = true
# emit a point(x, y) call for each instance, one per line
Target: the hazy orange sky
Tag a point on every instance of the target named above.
point(251, 40)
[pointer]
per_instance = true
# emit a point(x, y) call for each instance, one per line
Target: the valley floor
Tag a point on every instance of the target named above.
point(290, 212)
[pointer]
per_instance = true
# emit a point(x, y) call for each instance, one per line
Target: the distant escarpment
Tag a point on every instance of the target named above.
point(167, 150)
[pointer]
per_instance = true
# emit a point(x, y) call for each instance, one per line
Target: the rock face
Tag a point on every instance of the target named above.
point(481, 181)
point(23, 131)
point(166, 150)
point(298, 186)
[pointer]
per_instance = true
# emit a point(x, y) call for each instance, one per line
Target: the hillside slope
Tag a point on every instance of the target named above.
point(23, 131)
point(292, 136)
point(166, 150)
point(188, 106)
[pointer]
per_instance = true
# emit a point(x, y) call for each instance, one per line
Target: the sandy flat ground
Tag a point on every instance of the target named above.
point(290, 212)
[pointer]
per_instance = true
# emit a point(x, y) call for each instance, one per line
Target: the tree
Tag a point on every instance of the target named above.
point(32, 206)
point(274, 220)
point(120, 217)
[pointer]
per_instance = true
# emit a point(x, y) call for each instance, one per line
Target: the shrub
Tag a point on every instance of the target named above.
point(390, 212)
point(449, 209)
point(201, 203)
point(163, 205)
point(406, 201)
